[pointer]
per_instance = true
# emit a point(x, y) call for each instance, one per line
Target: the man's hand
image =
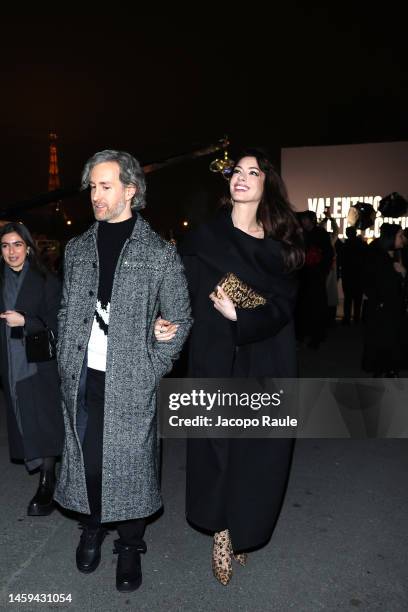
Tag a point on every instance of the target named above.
point(164, 330)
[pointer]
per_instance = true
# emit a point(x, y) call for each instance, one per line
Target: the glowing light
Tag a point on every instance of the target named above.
point(185, 223)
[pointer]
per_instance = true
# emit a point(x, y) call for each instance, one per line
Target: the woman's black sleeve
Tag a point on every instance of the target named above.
point(257, 324)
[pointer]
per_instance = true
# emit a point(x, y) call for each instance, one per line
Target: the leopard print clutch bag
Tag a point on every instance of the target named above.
point(241, 294)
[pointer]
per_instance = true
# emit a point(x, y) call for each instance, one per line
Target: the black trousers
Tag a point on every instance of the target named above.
point(131, 532)
point(352, 298)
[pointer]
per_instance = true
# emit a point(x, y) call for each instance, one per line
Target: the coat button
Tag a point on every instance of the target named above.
point(91, 293)
point(94, 265)
point(73, 377)
point(85, 321)
point(79, 347)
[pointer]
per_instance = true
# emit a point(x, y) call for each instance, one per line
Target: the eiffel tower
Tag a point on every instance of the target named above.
point(52, 214)
point(53, 170)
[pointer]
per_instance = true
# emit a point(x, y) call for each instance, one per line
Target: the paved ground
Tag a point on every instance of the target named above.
point(341, 542)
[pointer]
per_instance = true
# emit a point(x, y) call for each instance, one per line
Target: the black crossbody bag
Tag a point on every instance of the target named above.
point(41, 346)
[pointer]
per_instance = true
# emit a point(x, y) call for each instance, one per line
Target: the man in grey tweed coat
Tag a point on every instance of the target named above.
point(118, 276)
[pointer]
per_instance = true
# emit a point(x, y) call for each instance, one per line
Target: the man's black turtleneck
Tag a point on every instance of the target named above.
point(111, 238)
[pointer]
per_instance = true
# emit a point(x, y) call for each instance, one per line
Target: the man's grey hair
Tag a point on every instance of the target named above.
point(130, 173)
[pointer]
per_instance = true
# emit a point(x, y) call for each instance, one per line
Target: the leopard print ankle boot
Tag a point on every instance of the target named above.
point(221, 557)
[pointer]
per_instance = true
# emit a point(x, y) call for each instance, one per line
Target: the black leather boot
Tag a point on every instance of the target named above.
point(42, 503)
point(88, 552)
point(128, 569)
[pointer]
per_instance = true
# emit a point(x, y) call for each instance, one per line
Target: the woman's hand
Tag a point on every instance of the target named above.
point(13, 318)
point(223, 304)
point(398, 267)
point(164, 330)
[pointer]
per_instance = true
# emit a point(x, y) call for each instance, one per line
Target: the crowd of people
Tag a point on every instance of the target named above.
point(127, 303)
point(372, 276)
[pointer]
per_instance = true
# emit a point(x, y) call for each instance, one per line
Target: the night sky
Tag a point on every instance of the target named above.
point(157, 88)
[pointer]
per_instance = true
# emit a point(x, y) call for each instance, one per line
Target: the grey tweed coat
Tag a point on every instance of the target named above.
point(149, 279)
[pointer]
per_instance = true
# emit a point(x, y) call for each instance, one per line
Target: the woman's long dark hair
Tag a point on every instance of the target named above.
point(33, 256)
point(275, 212)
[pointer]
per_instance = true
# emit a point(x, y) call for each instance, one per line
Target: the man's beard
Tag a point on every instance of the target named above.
point(109, 214)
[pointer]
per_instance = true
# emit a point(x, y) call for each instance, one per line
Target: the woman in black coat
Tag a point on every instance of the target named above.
point(29, 301)
point(235, 487)
point(384, 277)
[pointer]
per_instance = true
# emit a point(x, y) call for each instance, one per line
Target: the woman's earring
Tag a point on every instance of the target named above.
point(28, 250)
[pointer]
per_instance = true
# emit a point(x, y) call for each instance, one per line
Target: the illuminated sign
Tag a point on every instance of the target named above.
point(339, 207)
point(338, 176)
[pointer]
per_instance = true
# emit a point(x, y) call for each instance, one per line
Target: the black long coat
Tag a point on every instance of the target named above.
point(384, 316)
point(238, 484)
point(39, 395)
point(312, 303)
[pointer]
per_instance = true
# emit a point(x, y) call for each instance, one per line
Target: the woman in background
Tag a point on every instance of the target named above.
point(29, 300)
point(384, 277)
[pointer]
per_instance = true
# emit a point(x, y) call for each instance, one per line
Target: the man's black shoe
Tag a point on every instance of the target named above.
point(88, 552)
point(128, 569)
point(42, 503)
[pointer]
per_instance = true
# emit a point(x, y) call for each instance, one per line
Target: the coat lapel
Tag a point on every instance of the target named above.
point(30, 286)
